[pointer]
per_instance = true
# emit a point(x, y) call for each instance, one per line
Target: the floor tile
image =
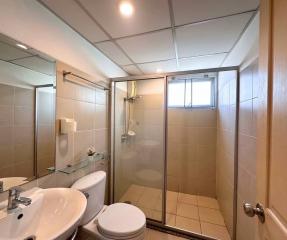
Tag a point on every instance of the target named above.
point(215, 231)
point(187, 210)
point(157, 215)
point(170, 219)
point(150, 198)
point(207, 202)
point(188, 224)
point(187, 198)
point(171, 206)
point(156, 235)
point(211, 216)
point(171, 196)
point(153, 192)
point(158, 205)
point(133, 194)
point(147, 211)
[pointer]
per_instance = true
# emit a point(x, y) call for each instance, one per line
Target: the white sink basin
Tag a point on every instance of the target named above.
point(53, 214)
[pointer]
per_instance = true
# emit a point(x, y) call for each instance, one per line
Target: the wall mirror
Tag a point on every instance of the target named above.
point(27, 113)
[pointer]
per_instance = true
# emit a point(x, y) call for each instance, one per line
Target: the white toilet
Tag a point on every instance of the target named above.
point(116, 221)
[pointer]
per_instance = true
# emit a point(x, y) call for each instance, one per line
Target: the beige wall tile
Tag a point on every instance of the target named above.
point(101, 97)
point(85, 94)
point(23, 135)
point(65, 108)
point(101, 140)
point(6, 94)
point(245, 117)
point(6, 156)
point(246, 84)
point(225, 164)
point(101, 117)
point(6, 136)
point(82, 141)
point(205, 118)
point(6, 116)
point(7, 171)
point(84, 114)
point(23, 116)
point(24, 170)
point(24, 153)
point(247, 152)
point(24, 97)
point(64, 150)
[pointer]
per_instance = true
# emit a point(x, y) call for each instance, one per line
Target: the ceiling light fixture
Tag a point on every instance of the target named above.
point(159, 70)
point(21, 46)
point(126, 8)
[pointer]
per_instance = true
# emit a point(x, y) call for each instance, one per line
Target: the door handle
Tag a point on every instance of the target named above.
point(251, 211)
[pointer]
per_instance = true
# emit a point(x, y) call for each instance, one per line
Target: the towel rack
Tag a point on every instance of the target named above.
point(85, 79)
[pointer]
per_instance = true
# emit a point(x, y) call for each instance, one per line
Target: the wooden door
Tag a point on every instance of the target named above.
point(272, 120)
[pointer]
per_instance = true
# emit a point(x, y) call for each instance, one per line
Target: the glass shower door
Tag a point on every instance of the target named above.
point(139, 144)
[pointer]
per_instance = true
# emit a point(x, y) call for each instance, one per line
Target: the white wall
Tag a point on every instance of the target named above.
point(246, 49)
point(31, 23)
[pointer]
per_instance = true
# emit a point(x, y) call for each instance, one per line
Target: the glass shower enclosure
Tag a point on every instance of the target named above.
point(138, 147)
point(174, 150)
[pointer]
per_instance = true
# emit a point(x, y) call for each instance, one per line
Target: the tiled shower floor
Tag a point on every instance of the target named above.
point(193, 213)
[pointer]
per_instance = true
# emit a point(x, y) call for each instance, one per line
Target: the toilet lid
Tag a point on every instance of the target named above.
point(121, 219)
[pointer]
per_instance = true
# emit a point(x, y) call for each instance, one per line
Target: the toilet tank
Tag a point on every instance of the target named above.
point(93, 186)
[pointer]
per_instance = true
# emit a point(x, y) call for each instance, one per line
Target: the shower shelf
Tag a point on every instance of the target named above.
point(82, 164)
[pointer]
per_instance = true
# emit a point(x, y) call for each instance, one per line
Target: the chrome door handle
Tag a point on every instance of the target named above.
point(251, 211)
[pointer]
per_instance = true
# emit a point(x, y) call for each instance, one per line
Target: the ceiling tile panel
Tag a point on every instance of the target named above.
point(210, 37)
point(188, 11)
point(205, 62)
point(148, 15)
point(71, 13)
point(159, 67)
point(8, 52)
point(132, 70)
point(37, 64)
point(113, 52)
point(149, 47)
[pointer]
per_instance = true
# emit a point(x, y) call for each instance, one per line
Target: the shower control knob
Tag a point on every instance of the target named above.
point(251, 211)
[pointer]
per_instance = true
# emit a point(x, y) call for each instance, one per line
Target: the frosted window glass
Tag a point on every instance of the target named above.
point(191, 93)
point(176, 94)
point(201, 93)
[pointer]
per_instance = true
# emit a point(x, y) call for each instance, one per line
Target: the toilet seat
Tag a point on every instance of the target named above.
point(121, 221)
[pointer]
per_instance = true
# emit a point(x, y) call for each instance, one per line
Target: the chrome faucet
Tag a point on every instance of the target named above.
point(1, 186)
point(14, 199)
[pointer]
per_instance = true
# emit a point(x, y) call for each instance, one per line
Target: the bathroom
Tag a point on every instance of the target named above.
point(141, 119)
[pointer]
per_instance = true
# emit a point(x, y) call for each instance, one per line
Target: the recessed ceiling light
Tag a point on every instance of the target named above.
point(126, 8)
point(159, 70)
point(21, 46)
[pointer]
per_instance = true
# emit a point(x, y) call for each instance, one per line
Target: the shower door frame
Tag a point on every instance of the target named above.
point(161, 225)
point(112, 155)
